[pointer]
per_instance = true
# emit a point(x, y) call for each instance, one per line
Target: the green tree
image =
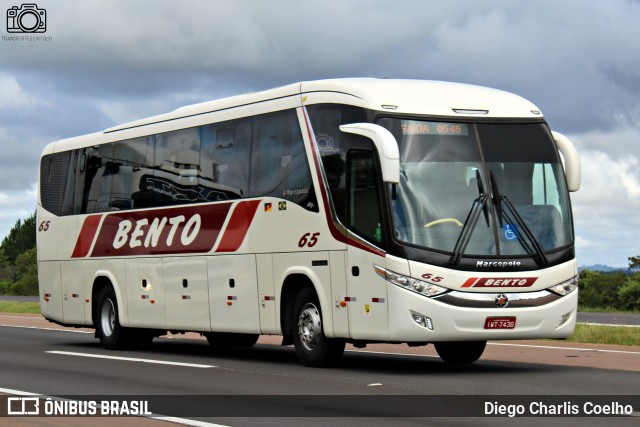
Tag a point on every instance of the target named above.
point(27, 273)
point(18, 267)
point(21, 237)
point(634, 262)
point(629, 293)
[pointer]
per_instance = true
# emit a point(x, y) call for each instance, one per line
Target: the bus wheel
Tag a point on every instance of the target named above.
point(312, 346)
point(226, 340)
point(112, 335)
point(460, 351)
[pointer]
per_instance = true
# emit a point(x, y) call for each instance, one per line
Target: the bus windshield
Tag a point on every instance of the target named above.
point(446, 168)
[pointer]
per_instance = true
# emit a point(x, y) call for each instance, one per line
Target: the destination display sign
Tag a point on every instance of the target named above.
point(416, 127)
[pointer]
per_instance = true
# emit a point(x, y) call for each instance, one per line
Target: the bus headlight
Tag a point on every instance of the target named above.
point(566, 287)
point(409, 283)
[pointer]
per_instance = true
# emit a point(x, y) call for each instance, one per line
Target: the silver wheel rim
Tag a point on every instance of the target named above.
point(309, 326)
point(108, 318)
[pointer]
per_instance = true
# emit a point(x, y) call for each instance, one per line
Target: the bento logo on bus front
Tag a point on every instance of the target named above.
point(495, 282)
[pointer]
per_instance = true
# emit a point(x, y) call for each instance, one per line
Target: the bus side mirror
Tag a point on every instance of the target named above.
point(386, 145)
point(571, 160)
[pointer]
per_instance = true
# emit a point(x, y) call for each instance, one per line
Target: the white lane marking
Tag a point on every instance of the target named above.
point(187, 422)
point(17, 392)
point(566, 348)
point(130, 359)
point(47, 329)
point(176, 420)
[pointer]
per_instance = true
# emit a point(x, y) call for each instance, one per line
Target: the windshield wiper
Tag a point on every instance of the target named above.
point(511, 214)
point(479, 205)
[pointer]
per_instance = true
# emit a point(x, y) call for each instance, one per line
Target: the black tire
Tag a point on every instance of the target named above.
point(112, 335)
point(312, 346)
point(231, 340)
point(459, 352)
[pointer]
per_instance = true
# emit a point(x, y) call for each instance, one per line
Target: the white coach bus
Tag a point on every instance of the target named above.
point(329, 212)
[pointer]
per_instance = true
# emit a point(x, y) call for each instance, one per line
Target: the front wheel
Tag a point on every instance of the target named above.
point(460, 352)
point(312, 346)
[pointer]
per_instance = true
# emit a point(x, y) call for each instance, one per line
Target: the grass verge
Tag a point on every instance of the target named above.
point(606, 310)
point(596, 334)
point(19, 307)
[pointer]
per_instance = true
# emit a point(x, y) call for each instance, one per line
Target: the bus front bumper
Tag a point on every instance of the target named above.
point(415, 318)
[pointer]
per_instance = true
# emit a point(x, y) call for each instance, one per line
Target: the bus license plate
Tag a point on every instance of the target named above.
point(500, 323)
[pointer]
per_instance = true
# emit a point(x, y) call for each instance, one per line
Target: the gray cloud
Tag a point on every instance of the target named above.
point(114, 61)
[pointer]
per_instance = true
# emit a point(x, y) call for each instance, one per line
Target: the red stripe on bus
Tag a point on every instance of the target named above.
point(238, 226)
point(87, 234)
point(469, 282)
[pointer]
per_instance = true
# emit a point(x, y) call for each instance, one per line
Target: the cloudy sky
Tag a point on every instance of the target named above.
point(108, 62)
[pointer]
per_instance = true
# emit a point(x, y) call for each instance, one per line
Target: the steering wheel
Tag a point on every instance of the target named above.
point(444, 221)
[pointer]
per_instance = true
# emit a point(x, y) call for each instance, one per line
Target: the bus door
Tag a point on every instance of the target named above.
point(367, 295)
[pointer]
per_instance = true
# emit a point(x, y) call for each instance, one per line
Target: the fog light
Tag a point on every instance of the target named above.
point(564, 318)
point(422, 320)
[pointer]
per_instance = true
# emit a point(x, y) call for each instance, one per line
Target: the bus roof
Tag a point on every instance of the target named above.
point(424, 97)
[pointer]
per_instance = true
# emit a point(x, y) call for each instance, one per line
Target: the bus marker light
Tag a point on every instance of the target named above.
point(86, 300)
point(152, 301)
point(343, 303)
point(377, 300)
point(350, 299)
point(186, 296)
point(229, 302)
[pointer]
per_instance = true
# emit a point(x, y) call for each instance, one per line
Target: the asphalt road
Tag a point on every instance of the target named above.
point(56, 363)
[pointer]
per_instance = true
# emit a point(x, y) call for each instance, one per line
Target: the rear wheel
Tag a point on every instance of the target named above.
point(226, 340)
point(112, 335)
point(312, 346)
point(460, 352)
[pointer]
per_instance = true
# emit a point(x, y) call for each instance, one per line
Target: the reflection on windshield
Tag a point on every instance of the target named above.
point(439, 171)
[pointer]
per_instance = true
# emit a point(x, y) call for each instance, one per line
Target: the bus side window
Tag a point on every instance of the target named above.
point(93, 179)
point(333, 146)
point(54, 170)
point(177, 167)
point(71, 184)
point(279, 165)
point(224, 156)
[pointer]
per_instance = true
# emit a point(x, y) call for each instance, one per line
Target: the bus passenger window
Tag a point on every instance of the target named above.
point(279, 165)
point(224, 159)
